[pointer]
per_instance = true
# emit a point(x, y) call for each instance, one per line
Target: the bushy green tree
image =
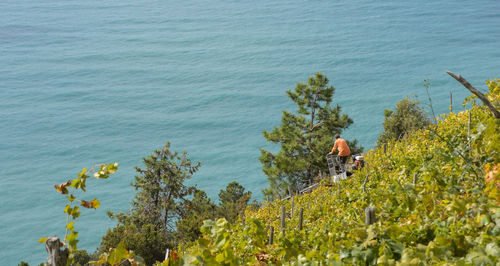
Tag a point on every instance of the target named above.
point(407, 117)
point(197, 210)
point(233, 200)
point(161, 189)
point(146, 241)
point(165, 212)
point(82, 257)
point(305, 136)
point(149, 228)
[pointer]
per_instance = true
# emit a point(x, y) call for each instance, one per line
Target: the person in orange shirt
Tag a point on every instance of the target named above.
point(344, 150)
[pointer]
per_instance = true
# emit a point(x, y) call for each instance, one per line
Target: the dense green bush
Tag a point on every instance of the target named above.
point(147, 241)
point(233, 201)
point(197, 210)
point(407, 117)
point(82, 257)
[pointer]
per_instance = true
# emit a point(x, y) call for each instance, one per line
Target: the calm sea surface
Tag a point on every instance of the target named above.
point(85, 82)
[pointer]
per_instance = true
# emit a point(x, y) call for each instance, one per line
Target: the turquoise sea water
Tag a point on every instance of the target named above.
point(85, 82)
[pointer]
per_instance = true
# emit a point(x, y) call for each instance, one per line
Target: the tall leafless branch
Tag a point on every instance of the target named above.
point(475, 91)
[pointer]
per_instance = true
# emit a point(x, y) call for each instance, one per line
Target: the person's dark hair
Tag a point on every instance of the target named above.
point(337, 136)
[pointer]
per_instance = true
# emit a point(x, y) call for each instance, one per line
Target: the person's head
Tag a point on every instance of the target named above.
point(337, 136)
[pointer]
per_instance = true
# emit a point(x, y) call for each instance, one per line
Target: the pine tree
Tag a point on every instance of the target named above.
point(161, 189)
point(233, 200)
point(161, 201)
point(305, 136)
point(197, 210)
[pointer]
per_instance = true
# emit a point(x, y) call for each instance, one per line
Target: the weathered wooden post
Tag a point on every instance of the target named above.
point(301, 218)
point(283, 216)
point(451, 102)
point(57, 257)
point(364, 183)
point(468, 130)
point(385, 148)
point(415, 178)
point(291, 212)
point(167, 254)
point(369, 215)
point(271, 233)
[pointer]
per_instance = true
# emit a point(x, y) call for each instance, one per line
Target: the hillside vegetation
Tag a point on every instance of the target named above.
point(436, 195)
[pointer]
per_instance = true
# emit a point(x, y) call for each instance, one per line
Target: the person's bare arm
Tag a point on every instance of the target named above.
point(334, 148)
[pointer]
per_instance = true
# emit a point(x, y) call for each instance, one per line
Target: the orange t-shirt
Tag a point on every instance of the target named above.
point(341, 144)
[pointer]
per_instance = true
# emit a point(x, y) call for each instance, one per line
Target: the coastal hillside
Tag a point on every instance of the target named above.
point(434, 194)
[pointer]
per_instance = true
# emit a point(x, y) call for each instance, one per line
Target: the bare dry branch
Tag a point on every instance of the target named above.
point(475, 91)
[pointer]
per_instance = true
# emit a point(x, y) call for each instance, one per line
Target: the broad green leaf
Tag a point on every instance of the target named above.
point(76, 212)
point(68, 209)
point(82, 174)
point(71, 198)
point(71, 226)
point(72, 240)
point(492, 249)
point(118, 254)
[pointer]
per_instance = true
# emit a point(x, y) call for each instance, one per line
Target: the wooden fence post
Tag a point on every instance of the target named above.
point(301, 218)
point(451, 102)
point(364, 183)
point(271, 233)
point(385, 148)
point(369, 215)
point(283, 216)
point(468, 130)
point(291, 215)
point(167, 254)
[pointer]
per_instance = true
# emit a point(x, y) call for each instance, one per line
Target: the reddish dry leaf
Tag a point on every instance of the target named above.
point(262, 257)
point(62, 187)
point(174, 255)
point(90, 204)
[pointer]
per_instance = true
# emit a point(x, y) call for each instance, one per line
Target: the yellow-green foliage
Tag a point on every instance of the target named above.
point(436, 198)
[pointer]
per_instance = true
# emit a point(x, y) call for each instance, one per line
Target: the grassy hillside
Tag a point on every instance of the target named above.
point(436, 196)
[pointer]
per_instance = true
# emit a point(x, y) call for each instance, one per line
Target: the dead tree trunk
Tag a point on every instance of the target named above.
point(480, 95)
point(57, 257)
